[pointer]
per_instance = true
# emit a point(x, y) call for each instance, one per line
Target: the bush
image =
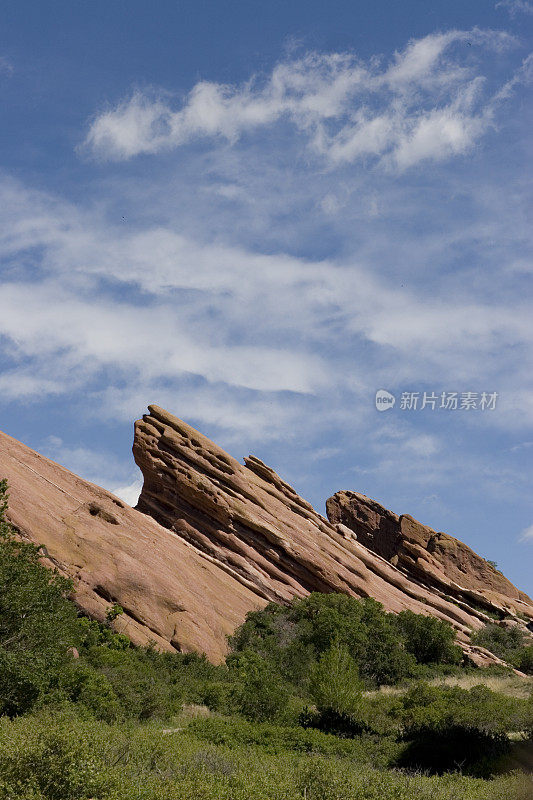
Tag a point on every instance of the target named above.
point(293, 638)
point(522, 659)
point(257, 693)
point(337, 692)
point(95, 692)
point(450, 728)
point(430, 640)
point(455, 748)
point(335, 684)
point(132, 676)
point(499, 640)
point(51, 759)
point(510, 644)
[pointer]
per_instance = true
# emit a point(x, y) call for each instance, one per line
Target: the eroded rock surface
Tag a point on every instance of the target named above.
point(435, 560)
point(171, 593)
point(257, 527)
point(212, 539)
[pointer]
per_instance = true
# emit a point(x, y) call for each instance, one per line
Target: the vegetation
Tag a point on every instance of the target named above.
point(64, 756)
point(509, 643)
point(84, 715)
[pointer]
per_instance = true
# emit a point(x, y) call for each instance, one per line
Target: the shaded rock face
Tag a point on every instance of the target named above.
point(212, 539)
point(432, 559)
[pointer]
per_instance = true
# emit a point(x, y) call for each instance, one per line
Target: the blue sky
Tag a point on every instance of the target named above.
point(259, 214)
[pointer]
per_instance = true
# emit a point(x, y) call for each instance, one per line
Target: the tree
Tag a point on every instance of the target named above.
point(258, 693)
point(362, 627)
point(292, 638)
point(430, 640)
point(38, 624)
point(335, 684)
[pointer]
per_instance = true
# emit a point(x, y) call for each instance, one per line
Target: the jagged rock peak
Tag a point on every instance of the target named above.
point(432, 558)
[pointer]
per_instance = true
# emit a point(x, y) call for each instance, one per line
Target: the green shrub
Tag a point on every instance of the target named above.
point(257, 693)
point(38, 624)
point(510, 644)
point(57, 760)
point(450, 727)
point(58, 754)
point(335, 684)
point(293, 638)
point(95, 692)
point(430, 640)
point(522, 659)
point(132, 676)
point(499, 640)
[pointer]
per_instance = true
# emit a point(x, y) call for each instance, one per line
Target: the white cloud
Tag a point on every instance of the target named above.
point(151, 306)
point(98, 466)
point(527, 534)
point(262, 298)
point(425, 104)
point(521, 446)
point(6, 66)
point(515, 7)
point(130, 493)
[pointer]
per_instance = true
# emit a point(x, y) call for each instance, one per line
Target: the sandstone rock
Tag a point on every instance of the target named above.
point(435, 560)
point(256, 527)
point(212, 539)
point(171, 593)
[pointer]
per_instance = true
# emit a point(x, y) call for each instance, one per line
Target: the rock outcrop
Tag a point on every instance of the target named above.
point(171, 593)
point(258, 529)
point(434, 560)
point(212, 539)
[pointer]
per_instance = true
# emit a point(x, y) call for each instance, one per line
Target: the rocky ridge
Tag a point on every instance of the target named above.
point(249, 520)
point(172, 594)
point(212, 538)
point(432, 559)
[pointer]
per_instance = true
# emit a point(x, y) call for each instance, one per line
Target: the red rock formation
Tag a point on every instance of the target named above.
point(171, 593)
point(250, 521)
point(435, 560)
point(215, 539)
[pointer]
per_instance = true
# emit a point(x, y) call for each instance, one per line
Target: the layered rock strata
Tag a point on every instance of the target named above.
point(212, 539)
point(257, 528)
point(433, 559)
point(172, 593)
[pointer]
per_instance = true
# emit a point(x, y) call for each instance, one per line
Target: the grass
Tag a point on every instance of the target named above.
point(511, 685)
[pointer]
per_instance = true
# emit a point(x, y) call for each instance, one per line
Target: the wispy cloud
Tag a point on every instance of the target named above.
point(265, 295)
point(515, 7)
point(153, 306)
point(101, 467)
point(426, 103)
point(6, 67)
point(527, 534)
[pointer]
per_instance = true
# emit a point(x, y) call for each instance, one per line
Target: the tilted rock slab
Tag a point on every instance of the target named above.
point(435, 560)
point(263, 534)
point(172, 594)
point(211, 539)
